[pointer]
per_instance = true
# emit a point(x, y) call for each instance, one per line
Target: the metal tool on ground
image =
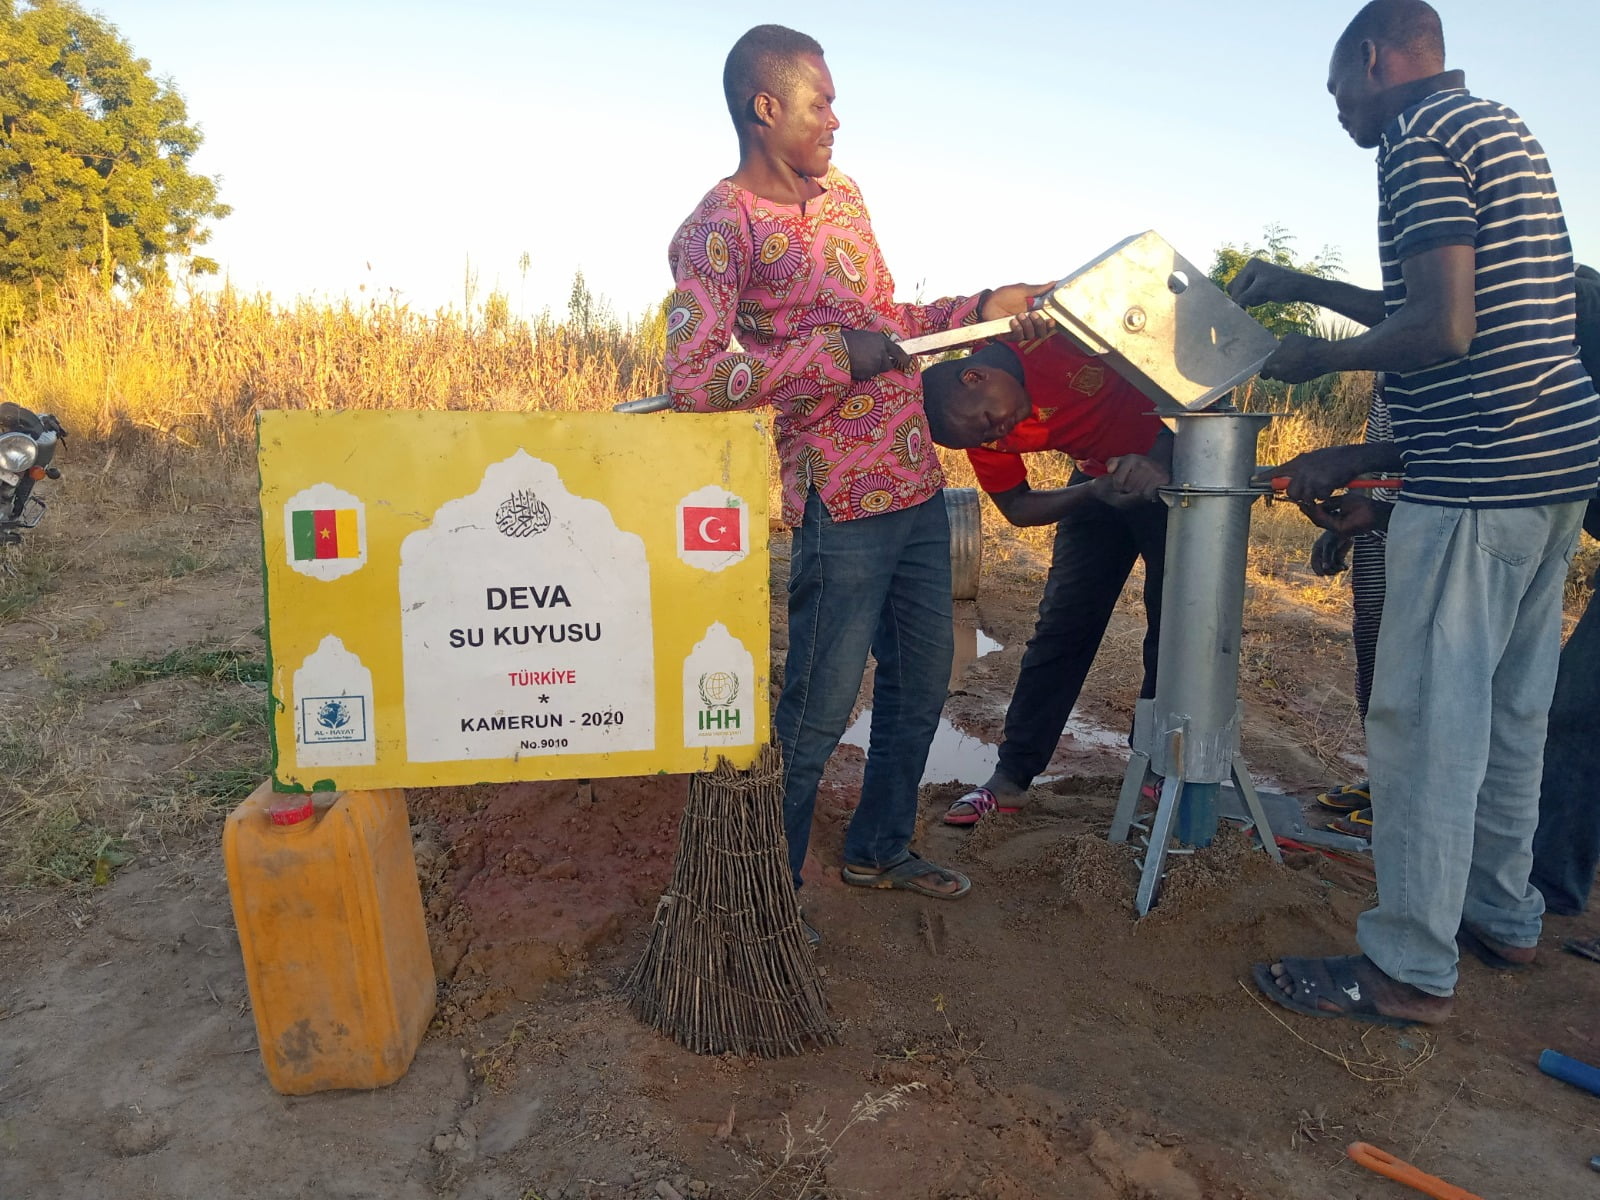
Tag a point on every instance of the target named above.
point(1288, 820)
point(1383, 1163)
point(727, 968)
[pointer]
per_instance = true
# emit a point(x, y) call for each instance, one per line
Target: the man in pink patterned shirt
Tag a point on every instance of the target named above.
point(782, 256)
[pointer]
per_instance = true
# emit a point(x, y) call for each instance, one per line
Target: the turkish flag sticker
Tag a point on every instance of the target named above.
point(711, 529)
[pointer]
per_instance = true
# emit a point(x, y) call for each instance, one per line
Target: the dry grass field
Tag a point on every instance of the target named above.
point(133, 688)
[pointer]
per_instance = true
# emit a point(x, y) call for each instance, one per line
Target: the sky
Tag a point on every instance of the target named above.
point(417, 151)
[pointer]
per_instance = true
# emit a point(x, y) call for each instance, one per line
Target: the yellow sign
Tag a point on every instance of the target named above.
point(482, 597)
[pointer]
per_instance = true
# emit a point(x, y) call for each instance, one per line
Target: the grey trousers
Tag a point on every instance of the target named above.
point(1455, 733)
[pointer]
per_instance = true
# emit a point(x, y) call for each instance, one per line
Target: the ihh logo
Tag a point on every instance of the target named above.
point(718, 691)
point(325, 719)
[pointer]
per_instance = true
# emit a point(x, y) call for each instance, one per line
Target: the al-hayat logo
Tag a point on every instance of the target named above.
point(325, 719)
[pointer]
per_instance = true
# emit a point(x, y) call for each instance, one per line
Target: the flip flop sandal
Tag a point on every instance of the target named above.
point(981, 802)
point(1475, 944)
point(1333, 979)
point(1355, 824)
point(1583, 947)
point(1346, 798)
point(905, 874)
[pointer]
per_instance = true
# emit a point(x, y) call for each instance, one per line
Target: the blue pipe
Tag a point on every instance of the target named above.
point(1197, 814)
point(1570, 1070)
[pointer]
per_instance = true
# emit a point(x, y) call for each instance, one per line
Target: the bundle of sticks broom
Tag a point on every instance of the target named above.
point(727, 968)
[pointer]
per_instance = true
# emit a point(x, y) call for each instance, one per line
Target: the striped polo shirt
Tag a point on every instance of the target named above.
point(1516, 421)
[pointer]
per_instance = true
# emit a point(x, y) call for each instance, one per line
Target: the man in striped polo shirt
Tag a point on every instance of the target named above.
point(1497, 431)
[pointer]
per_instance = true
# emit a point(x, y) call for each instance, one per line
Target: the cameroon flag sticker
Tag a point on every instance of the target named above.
point(325, 532)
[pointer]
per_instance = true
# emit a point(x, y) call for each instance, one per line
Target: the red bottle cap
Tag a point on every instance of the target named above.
point(291, 812)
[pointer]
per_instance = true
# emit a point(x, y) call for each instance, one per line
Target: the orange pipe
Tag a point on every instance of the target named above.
point(1381, 1161)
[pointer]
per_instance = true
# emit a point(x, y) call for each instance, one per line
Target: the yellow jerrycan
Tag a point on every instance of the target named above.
point(335, 947)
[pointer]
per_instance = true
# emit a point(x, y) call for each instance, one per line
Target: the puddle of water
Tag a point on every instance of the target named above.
point(954, 757)
point(972, 644)
point(957, 757)
point(1091, 733)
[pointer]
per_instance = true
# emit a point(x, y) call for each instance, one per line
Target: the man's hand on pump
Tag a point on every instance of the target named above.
point(1318, 474)
point(1012, 300)
point(1030, 327)
point(1347, 516)
point(1134, 477)
point(1261, 282)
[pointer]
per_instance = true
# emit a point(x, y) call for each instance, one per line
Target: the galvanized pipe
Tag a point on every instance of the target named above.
point(1208, 532)
point(1202, 608)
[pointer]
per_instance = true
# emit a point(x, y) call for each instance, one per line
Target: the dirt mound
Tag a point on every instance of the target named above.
point(524, 881)
point(1091, 869)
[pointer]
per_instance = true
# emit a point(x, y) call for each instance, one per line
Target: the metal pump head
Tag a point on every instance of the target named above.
point(1155, 317)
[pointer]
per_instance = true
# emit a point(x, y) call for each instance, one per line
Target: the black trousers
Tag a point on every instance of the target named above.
point(1094, 551)
point(1566, 849)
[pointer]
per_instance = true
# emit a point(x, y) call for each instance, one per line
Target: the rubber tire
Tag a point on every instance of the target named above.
point(964, 506)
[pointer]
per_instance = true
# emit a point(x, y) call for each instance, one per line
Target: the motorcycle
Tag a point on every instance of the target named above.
point(28, 443)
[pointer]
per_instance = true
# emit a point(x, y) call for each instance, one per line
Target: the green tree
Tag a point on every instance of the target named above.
point(1278, 247)
point(94, 159)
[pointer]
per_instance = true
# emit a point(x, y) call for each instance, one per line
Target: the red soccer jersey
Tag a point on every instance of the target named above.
point(1081, 407)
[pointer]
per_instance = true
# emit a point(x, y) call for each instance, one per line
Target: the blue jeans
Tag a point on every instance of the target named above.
point(879, 584)
point(1566, 850)
point(1455, 732)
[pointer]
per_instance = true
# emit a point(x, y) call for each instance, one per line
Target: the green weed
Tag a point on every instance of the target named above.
point(187, 662)
point(25, 579)
point(221, 787)
point(22, 753)
point(59, 846)
point(227, 716)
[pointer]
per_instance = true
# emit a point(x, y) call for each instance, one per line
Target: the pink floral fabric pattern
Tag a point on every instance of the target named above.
point(784, 280)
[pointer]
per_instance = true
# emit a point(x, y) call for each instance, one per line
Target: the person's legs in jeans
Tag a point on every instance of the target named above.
point(1566, 850)
point(1093, 553)
point(913, 645)
point(1469, 642)
point(840, 574)
point(1501, 902)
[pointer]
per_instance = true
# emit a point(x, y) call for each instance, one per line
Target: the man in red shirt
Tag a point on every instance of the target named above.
point(1011, 399)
